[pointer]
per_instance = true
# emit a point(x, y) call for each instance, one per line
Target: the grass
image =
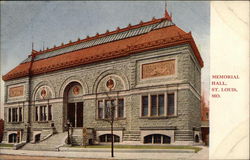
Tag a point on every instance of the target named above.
point(6, 145)
point(196, 149)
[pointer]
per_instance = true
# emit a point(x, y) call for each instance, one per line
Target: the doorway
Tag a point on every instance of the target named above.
point(73, 104)
point(75, 114)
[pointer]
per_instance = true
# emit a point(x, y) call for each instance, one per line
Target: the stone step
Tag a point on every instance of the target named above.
point(49, 144)
point(184, 132)
point(183, 135)
point(184, 138)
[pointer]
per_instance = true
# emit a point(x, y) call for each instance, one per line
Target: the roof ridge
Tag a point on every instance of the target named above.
point(107, 33)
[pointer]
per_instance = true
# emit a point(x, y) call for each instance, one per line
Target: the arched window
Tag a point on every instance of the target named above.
point(108, 138)
point(13, 138)
point(157, 139)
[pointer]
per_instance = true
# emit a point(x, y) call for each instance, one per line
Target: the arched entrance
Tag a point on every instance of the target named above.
point(74, 104)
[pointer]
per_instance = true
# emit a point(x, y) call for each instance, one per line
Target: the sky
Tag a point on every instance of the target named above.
point(49, 23)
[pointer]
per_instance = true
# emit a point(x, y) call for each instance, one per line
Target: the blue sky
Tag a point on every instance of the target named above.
point(51, 23)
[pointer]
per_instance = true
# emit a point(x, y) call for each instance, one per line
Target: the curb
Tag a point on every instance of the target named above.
point(66, 149)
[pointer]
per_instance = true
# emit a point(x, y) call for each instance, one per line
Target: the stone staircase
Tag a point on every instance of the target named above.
point(184, 135)
point(45, 134)
point(131, 136)
point(50, 144)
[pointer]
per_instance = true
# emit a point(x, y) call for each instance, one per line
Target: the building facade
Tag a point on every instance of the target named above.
point(150, 73)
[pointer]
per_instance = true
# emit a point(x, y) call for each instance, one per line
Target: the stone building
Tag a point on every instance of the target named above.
point(150, 73)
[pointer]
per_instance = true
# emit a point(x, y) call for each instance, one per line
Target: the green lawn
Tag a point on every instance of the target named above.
point(196, 149)
point(6, 145)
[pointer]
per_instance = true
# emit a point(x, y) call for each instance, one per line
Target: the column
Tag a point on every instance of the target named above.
point(157, 105)
point(20, 136)
point(22, 113)
point(8, 114)
point(116, 108)
point(17, 114)
point(149, 105)
point(75, 114)
point(165, 104)
point(47, 110)
point(104, 109)
point(38, 112)
point(11, 114)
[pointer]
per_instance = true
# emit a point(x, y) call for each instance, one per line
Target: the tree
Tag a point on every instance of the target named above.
point(110, 117)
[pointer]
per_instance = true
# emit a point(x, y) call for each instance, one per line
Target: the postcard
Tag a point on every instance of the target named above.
point(125, 79)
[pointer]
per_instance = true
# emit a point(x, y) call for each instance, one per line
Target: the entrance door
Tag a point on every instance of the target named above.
point(79, 115)
point(71, 113)
point(75, 114)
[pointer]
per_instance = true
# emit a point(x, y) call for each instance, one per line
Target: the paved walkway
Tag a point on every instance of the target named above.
point(19, 157)
point(105, 154)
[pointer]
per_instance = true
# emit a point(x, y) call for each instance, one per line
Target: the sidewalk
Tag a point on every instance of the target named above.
point(70, 149)
point(105, 153)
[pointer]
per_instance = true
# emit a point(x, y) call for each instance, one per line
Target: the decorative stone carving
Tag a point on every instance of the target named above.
point(76, 90)
point(43, 93)
point(110, 84)
point(157, 69)
point(16, 91)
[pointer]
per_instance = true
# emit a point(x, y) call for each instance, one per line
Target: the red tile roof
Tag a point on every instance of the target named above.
point(163, 37)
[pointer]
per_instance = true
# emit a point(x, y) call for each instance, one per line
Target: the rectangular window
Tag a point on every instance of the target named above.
point(36, 114)
point(100, 109)
point(14, 114)
point(144, 105)
point(43, 113)
point(153, 105)
point(158, 105)
point(20, 115)
point(110, 107)
point(49, 113)
point(120, 108)
point(9, 110)
point(170, 104)
point(161, 105)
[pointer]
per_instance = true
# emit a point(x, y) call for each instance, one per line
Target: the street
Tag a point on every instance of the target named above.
point(20, 157)
point(7, 154)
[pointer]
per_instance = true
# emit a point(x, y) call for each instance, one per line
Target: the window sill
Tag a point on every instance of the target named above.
point(116, 119)
point(158, 117)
